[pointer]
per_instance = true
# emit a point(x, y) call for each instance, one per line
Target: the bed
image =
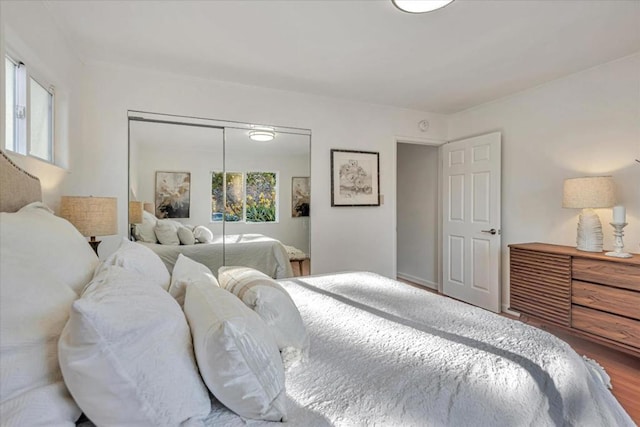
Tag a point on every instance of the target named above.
point(253, 250)
point(386, 353)
point(381, 353)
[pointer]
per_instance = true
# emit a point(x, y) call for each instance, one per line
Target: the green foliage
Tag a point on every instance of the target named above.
point(217, 193)
point(261, 197)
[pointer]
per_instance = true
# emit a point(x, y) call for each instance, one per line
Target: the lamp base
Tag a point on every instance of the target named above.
point(619, 254)
point(589, 232)
point(94, 244)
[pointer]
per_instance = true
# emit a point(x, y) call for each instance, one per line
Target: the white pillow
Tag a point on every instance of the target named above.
point(203, 234)
point(44, 264)
point(186, 236)
point(272, 303)
point(186, 272)
point(149, 217)
point(139, 258)
point(38, 237)
point(145, 232)
point(236, 353)
point(33, 310)
point(127, 356)
point(167, 232)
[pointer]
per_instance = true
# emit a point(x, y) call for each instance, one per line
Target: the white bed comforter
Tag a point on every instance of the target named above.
point(251, 250)
point(387, 354)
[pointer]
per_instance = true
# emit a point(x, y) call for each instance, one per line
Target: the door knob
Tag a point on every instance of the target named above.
point(492, 231)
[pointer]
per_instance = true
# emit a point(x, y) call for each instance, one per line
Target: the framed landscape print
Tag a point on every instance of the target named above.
point(355, 178)
point(300, 196)
point(173, 194)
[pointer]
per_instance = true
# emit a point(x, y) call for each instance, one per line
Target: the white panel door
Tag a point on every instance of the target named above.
point(471, 220)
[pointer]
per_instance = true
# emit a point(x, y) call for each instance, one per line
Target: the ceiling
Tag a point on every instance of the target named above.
point(466, 54)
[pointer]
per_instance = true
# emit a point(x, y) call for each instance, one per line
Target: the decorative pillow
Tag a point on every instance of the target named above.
point(236, 353)
point(203, 234)
point(136, 257)
point(167, 232)
point(127, 356)
point(186, 236)
point(145, 232)
point(33, 310)
point(186, 272)
point(149, 217)
point(37, 237)
point(44, 264)
point(272, 303)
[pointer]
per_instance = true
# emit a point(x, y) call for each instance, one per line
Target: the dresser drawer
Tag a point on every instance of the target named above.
point(541, 285)
point(617, 328)
point(612, 273)
point(606, 298)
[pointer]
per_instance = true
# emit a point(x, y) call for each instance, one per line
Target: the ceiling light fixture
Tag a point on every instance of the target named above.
point(262, 135)
point(420, 6)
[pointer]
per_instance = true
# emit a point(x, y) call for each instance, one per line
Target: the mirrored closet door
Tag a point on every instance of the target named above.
point(221, 193)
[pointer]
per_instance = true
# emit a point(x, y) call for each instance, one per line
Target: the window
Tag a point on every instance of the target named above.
point(41, 103)
point(233, 209)
point(261, 197)
point(250, 196)
point(28, 106)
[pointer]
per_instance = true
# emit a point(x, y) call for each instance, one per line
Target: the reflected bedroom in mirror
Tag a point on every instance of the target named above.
point(221, 193)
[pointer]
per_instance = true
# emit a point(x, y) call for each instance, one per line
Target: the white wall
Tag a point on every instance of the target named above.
point(341, 238)
point(585, 124)
point(417, 207)
point(291, 231)
point(33, 37)
point(199, 164)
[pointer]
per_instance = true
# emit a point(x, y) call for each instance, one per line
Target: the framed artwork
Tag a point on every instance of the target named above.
point(355, 178)
point(173, 196)
point(300, 196)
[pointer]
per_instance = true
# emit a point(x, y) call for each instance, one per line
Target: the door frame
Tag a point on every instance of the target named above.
point(437, 143)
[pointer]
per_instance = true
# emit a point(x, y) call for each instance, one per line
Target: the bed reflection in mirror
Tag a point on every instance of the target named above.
point(218, 197)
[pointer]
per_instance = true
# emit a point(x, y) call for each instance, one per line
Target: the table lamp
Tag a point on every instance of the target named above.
point(150, 207)
point(588, 193)
point(135, 214)
point(92, 216)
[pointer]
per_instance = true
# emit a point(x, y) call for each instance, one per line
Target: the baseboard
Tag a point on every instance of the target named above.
point(505, 309)
point(422, 282)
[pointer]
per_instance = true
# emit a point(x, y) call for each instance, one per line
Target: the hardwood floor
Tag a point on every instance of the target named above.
point(623, 368)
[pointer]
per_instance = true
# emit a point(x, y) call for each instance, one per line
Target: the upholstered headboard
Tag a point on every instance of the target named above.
point(17, 186)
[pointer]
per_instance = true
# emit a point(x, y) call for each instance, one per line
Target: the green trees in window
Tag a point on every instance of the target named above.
point(258, 203)
point(232, 209)
point(261, 196)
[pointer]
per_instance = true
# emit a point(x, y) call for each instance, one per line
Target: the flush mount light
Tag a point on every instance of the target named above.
point(262, 135)
point(420, 6)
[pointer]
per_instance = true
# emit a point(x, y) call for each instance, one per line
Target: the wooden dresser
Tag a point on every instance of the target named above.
point(589, 294)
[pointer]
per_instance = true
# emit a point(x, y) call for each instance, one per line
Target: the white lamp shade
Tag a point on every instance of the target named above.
point(92, 216)
point(589, 192)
